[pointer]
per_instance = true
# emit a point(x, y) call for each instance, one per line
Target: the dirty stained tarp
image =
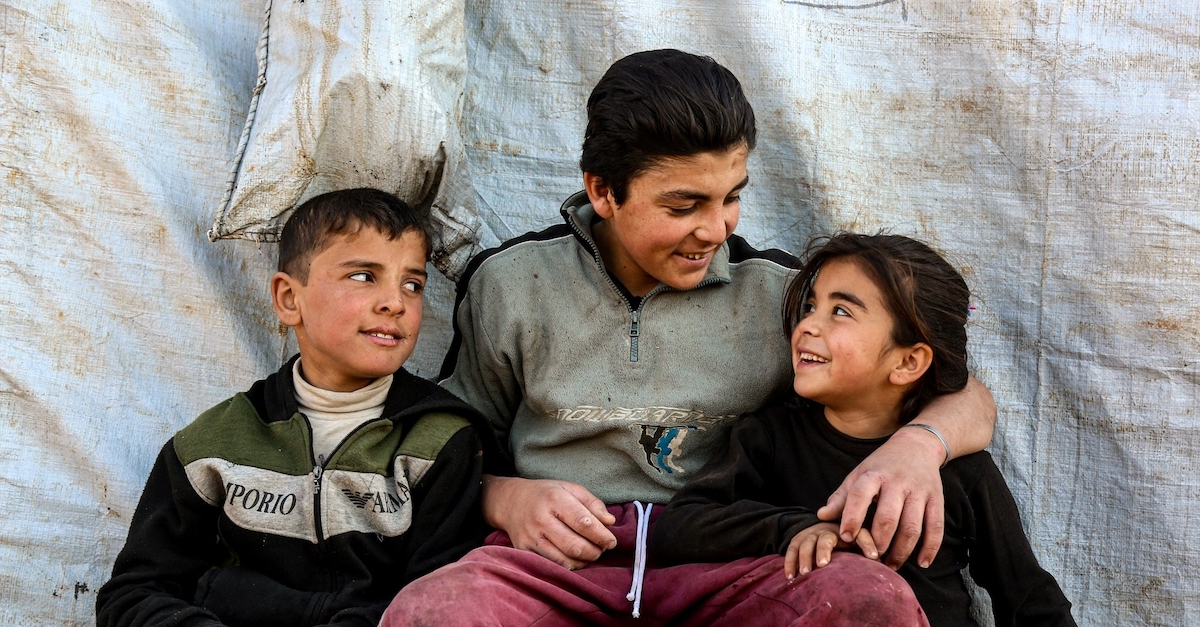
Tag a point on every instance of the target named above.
point(1048, 148)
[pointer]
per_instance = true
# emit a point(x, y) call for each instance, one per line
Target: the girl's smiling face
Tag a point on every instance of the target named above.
point(843, 353)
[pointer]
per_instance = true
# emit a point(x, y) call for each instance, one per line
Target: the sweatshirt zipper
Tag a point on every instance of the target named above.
point(633, 335)
point(635, 315)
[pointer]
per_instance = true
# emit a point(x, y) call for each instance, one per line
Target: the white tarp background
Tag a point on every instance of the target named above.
point(1049, 148)
point(357, 95)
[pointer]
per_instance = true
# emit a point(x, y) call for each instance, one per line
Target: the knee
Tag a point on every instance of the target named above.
point(439, 598)
point(419, 603)
point(861, 578)
point(853, 590)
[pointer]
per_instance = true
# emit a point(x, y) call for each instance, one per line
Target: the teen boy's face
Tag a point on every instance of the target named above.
point(358, 316)
point(674, 218)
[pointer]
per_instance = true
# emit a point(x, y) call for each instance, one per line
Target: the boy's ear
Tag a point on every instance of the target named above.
point(283, 295)
point(914, 362)
point(600, 194)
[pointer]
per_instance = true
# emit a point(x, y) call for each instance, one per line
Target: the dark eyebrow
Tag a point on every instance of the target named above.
point(376, 267)
point(360, 263)
point(689, 194)
point(682, 194)
point(851, 298)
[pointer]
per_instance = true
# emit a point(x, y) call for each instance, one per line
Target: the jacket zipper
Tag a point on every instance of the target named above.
point(319, 473)
point(319, 468)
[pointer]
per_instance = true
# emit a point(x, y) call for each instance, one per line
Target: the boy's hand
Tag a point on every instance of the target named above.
point(559, 520)
point(813, 548)
point(908, 489)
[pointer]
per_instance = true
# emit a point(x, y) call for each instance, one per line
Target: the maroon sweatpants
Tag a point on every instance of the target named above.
point(499, 585)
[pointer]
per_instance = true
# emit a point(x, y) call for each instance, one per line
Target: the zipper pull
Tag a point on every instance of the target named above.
point(633, 336)
point(317, 470)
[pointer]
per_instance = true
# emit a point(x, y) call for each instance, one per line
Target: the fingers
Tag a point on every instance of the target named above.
point(859, 496)
point(908, 532)
point(546, 534)
point(935, 527)
point(550, 519)
point(866, 544)
point(791, 559)
point(545, 547)
point(593, 504)
point(823, 551)
point(588, 516)
point(810, 549)
point(799, 558)
point(832, 510)
point(887, 517)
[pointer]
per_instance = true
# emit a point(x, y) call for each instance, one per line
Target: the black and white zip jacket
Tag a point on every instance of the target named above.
point(239, 525)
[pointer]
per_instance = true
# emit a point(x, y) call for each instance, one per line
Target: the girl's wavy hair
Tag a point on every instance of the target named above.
point(927, 298)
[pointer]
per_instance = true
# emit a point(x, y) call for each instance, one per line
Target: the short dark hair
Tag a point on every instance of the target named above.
point(927, 298)
point(309, 230)
point(660, 104)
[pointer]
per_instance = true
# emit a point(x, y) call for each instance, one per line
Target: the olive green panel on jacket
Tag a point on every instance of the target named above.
point(424, 440)
point(233, 431)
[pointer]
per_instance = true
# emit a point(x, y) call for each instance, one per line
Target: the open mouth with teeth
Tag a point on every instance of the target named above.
point(382, 335)
point(810, 358)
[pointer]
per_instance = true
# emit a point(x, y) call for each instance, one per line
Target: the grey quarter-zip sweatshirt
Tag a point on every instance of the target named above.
point(584, 384)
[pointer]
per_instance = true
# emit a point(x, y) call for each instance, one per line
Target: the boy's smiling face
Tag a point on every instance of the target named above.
point(358, 315)
point(674, 218)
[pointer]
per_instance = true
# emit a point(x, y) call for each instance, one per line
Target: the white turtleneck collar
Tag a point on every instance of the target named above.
point(333, 415)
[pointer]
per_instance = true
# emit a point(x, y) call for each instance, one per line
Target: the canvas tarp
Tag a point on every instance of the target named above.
point(1048, 148)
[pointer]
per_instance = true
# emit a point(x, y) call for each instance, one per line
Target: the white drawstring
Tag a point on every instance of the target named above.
point(639, 557)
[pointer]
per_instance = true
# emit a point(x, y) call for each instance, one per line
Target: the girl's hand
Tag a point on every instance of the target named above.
point(813, 548)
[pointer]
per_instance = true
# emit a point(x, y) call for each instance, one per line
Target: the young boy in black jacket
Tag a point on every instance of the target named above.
point(312, 498)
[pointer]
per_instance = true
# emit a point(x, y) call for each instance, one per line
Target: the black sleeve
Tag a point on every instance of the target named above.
point(724, 513)
point(244, 596)
point(447, 521)
point(172, 542)
point(1003, 563)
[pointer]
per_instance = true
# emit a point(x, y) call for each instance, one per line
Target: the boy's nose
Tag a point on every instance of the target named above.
point(392, 302)
point(717, 223)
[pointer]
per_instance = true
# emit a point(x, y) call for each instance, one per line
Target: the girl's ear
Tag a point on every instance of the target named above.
point(914, 362)
point(283, 295)
point(600, 194)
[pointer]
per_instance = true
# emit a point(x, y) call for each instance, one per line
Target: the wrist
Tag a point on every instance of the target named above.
point(933, 441)
point(490, 498)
